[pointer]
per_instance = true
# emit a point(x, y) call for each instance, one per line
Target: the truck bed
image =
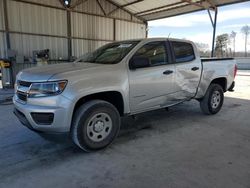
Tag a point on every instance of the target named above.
point(216, 68)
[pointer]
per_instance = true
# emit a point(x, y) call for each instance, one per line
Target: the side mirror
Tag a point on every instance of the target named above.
point(138, 62)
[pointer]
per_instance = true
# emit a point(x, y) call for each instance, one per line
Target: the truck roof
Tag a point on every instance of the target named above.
point(157, 38)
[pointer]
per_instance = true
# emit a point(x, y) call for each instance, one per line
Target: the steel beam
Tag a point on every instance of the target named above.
point(131, 3)
point(114, 27)
point(210, 16)
point(69, 33)
point(214, 23)
point(6, 22)
point(102, 9)
point(77, 11)
point(146, 29)
point(115, 9)
point(79, 2)
point(164, 10)
point(158, 8)
point(62, 3)
point(55, 36)
point(120, 7)
point(125, 5)
point(198, 4)
point(212, 4)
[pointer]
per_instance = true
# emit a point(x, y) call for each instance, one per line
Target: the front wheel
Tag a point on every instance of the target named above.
point(212, 102)
point(95, 125)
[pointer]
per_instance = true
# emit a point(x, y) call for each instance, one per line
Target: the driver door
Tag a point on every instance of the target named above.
point(152, 86)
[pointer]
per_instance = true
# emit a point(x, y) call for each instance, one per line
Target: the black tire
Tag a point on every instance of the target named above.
point(207, 103)
point(83, 126)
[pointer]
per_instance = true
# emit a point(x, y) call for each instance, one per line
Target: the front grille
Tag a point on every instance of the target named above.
point(22, 96)
point(24, 83)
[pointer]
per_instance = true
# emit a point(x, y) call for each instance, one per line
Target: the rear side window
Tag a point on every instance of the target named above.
point(183, 52)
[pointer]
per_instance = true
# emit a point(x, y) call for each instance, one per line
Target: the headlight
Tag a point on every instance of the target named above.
point(45, 89)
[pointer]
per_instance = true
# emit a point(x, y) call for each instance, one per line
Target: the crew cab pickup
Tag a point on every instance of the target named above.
point(87, 97)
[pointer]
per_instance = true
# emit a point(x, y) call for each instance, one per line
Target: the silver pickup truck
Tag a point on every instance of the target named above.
point(87, 98)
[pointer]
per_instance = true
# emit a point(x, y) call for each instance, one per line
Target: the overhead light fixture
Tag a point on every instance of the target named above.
point(67, 3)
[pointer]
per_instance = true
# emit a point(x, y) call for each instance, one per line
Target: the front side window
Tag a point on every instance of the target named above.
point(183, 52)
point(155, 52)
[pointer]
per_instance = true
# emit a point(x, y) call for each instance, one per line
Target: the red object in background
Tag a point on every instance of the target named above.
point(235, 70)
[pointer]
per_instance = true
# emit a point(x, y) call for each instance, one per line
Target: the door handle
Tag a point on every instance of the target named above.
point(168, 72)
point(195, 68)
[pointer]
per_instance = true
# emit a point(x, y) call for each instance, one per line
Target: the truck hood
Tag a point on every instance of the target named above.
point(44, 73)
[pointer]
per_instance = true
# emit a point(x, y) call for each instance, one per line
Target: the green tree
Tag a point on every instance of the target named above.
point(203, 48)
point(245, 30)
point(233, 36)
point(221, 44)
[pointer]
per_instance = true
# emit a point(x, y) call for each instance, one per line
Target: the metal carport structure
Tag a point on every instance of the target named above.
point(151, 10)
point(23, 24)
point(81, 26)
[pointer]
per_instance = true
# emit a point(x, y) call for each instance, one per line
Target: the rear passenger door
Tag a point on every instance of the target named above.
point(187, 70)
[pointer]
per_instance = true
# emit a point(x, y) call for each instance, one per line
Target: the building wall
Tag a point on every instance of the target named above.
point(25, 44)
point(91, 27)
point(42, 24)
point(80, 46)
point(126, 30)
point(30, 18)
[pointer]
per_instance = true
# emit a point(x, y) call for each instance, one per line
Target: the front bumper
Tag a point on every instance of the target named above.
point(59, 106)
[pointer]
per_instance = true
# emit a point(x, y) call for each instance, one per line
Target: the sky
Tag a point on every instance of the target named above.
point(197, 26)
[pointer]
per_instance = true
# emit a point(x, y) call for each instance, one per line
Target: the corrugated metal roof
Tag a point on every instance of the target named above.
point(151, 10)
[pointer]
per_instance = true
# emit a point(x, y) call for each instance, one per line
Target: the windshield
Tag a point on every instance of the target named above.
point(109, 54)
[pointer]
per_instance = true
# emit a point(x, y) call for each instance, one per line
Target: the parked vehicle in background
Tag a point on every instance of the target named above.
point(88, 97)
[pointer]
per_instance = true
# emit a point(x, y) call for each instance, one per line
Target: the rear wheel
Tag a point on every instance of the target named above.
point(95, 125)
point(213, 99)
